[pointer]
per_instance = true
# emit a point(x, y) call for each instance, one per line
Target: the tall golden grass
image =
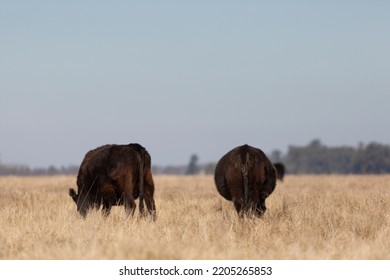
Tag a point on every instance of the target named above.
point(308, 217)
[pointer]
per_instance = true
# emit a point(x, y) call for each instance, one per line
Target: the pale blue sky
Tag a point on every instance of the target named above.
point(183, 77)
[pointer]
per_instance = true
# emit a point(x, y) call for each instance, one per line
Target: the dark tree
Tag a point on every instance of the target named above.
point(193, 167)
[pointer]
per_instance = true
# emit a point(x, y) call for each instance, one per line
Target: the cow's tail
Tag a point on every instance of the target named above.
point(73, 195)
point(140, 160)
point(244, 171)
point(244, 164)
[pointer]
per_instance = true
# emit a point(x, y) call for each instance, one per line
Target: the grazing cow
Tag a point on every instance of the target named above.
point(115, 175)
point(246, 177)
point(280, 170)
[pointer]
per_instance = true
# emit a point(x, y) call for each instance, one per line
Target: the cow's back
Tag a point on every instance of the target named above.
point(244, 163)
point(93, 166)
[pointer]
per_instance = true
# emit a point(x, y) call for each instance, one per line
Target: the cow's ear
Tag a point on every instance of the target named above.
point(73, 194)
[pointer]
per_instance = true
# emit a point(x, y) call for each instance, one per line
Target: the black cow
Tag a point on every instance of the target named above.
point(115, 175)
point(280, 170)
point(246, 177)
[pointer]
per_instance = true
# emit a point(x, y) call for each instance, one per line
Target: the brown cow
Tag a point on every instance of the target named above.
point(247, 177)
point(280, 170)
point(115, 175)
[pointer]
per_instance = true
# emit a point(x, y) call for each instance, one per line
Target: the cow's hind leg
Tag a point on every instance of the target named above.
point(106, 208)
point(260, 207)
point(109, 198)
point(238, 198)
point(130, 206)
point(150, 204)
point(124, 182)
point(151, 207)
point(239, 207)
point(129, 203)
point(148, 195)
point(129, 196)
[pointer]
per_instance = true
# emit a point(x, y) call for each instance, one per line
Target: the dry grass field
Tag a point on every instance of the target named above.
point(308, 217)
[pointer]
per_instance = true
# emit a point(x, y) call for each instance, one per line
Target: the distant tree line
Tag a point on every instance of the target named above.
point(316, 158)
point(192, 168)
point(24, 170)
